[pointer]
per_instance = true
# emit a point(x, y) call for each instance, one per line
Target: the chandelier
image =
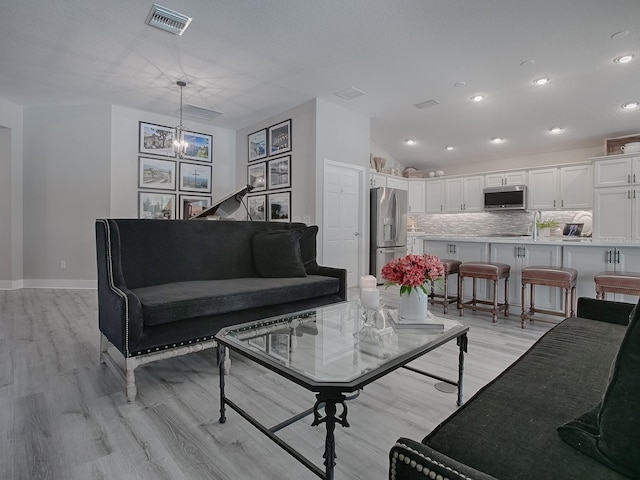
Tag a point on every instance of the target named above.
point(179, 143)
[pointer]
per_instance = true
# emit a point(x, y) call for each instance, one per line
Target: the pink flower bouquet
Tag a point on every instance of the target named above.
point(412, 272)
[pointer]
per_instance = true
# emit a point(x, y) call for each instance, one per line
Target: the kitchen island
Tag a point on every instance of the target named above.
point(588, 256)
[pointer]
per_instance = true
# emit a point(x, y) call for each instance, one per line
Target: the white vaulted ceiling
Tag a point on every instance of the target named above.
point(251, 59)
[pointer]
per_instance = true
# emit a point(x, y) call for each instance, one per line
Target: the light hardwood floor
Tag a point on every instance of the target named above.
point(64, 416)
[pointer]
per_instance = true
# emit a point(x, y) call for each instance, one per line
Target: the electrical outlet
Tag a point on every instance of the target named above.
point(63, 264)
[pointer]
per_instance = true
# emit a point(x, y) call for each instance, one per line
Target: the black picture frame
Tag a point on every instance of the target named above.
point(156, 173)
point(156, 205)
point(200, 146)
point(156, 139)
point(280, 138)
point(257, 176)
point(257, 145)
point(279, 173)
point(279, 207)
point(192, 205)
point(195, 177)
point(257, 207)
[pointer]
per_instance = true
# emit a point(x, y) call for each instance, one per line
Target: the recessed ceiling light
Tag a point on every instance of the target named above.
point(556, 130)
point(497, 140)
point(626, 58)
point(630, 105)
point(541, 80)
point(620, 34)
point(477, 98)
point(410, 142)
point(459, 84)
point(526, 63)
point(449, 147)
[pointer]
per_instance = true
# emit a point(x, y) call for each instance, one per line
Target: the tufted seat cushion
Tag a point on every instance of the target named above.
point(618, 282)
point(550, 276)
point(488, 270)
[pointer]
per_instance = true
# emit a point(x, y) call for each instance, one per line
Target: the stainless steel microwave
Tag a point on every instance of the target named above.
point(509, 197)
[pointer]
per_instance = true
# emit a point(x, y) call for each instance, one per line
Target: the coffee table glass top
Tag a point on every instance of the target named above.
point(339, 343)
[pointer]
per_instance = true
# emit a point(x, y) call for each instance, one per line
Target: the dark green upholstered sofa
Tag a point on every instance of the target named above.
point(165, 287)
point(569, 408)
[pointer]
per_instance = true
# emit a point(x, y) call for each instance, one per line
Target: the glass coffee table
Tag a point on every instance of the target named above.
point(334, 351)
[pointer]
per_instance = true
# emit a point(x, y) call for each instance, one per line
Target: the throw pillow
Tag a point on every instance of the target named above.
point(610, 433)
point(276, 254)
point(308, 249)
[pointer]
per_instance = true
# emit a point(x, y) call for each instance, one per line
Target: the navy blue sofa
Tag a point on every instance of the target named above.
point(165, 287)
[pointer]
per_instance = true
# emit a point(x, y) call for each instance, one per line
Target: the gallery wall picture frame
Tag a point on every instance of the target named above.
point(257, 176)
point(279, 207)
point(156, 139)
point(156, 173)
point(280, 138)
point(156, 205)
point(200, 146)
point(257, 145)
point(195, 177)
point(257, 207)
point(192, 205)
point(279, 173)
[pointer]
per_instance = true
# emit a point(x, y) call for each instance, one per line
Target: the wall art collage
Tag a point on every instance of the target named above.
point(269, 173)
point(170, 187)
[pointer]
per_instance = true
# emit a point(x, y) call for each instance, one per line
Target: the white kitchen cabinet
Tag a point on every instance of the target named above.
point(616, 213)
point(561, 188)
point(500, 179)
point(465, 252)
point(519, 256)
point(416, 196)
point(399, 183)
point(464, 194)
point(435, 196)
point(590, 260)
point(616, 172)
point(377, 180)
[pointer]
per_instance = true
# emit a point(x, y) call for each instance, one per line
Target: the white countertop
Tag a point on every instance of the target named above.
point(527, 239)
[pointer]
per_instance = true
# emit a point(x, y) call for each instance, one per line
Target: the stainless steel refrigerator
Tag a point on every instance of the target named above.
point(388, 237)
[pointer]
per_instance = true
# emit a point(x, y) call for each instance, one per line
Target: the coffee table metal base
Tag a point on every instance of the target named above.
point(329, 400)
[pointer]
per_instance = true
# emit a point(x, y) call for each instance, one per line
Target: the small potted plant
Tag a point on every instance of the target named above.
point(545, 225)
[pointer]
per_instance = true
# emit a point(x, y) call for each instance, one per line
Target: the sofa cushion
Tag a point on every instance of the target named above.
point(610, 432)
point(308, 249)
point(276, 254)
point(183, 300)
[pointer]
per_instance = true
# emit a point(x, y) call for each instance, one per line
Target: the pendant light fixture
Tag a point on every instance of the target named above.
point(179, 143)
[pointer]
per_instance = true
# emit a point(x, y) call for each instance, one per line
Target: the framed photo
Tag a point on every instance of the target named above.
point(200, 146)
point(257, 206)
point(195, 177)
point(279, 346)
point(156, 173)
point(280, 173)
point(191, 205)
point(279, 207)
point(156, 205)
point(257, 145)
point(156, 139)
point(280, 138)
point(257, 176)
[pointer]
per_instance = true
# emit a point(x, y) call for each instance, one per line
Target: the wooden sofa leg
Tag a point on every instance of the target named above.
point(130, 379)
point(104, 347)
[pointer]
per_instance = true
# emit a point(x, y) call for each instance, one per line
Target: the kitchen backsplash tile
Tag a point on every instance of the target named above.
point(484, 223)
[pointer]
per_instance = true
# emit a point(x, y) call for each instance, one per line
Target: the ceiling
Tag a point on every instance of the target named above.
point(251, 59)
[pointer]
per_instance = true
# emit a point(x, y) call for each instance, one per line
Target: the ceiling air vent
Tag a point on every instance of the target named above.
point(200, 112)
point(167, 20)
point(427, 104)
point(349, 93)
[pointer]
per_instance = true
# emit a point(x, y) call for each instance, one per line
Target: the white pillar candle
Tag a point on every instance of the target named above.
point(370, 298)
point(368, 281)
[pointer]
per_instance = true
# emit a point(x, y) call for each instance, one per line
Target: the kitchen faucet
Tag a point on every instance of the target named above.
point(537, 214)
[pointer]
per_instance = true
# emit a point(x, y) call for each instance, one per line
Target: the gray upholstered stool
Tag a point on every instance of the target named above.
point(450, 268)
point(627, 283)
point(489, 271)
point(560, 277)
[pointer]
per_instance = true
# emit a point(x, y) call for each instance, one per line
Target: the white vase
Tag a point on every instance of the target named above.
point(413, 306)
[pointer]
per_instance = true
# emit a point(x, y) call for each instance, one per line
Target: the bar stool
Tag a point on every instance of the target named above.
point(489, 271)
point(627, 283)
point(450, 268)
point(560, 277)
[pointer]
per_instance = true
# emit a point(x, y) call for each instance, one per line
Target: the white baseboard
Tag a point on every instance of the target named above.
point(61, 284)
point(11, 284)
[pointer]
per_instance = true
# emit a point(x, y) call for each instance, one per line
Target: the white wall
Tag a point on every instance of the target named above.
point(11, 209)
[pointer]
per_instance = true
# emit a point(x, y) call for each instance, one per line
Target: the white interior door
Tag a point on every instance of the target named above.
point(343, 219)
